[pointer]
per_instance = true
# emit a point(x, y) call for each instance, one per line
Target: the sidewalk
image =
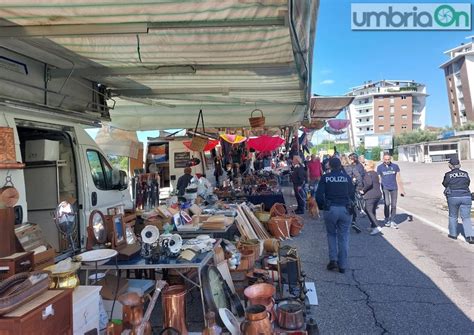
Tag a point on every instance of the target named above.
point(397, 282)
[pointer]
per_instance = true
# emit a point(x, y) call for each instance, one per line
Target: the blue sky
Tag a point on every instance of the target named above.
point(344, 58)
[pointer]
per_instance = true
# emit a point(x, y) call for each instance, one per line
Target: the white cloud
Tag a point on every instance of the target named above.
point(327, 82)
point(326, 71)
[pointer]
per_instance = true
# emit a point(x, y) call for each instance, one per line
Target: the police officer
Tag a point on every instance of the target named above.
point(298, 177)
point(458, 194)
point(335, 195)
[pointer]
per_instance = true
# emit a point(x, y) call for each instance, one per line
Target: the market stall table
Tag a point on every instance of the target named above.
point(267, 199)
point(138, 263)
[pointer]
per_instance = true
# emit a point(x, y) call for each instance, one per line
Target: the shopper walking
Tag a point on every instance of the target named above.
point(372, 194)
point(391, 181)
point(218, 171)
point(315, 171)
point(335, 195)
point(459, 199)
point(298, 177)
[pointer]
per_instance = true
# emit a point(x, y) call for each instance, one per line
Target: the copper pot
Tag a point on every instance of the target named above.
point(290, 314)
point(257, 321)
point(174, 308)
point(261, 294)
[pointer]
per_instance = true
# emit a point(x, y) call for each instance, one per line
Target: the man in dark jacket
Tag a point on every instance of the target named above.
point(298, 177)
point(184, 181)
point(458, 194)
point(335, 195)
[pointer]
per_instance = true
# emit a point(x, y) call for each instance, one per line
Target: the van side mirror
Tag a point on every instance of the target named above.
point(119, 179)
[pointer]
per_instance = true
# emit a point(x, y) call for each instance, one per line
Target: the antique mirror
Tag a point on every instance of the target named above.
point(65, 219)
point(97, 231)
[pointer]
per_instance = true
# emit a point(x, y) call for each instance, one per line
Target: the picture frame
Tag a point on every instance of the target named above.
point(186, 219)
point(130, 235)
point(177, 219)
point(119, 230)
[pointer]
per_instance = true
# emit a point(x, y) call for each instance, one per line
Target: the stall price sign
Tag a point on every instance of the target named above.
point(181, 159)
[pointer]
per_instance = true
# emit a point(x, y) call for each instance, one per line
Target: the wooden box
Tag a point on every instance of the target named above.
point(16, 263)
point(30, 237)
point(48, 314)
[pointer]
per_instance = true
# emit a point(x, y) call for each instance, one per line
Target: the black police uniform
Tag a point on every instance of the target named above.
point(335, 188)
point(335, 195)
point(457, 183)
point(459, 199)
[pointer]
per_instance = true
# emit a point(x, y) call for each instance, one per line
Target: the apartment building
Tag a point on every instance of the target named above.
point(459, 76)
point(386, 107)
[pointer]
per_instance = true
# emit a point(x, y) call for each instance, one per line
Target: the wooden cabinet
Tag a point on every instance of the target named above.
point(47, 314)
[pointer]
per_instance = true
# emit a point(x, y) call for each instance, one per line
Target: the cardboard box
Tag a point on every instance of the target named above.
point(41, 150)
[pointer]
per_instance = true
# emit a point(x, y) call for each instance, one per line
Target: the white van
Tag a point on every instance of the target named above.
point(62, 162)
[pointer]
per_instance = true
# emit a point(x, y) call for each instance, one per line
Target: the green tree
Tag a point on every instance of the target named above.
point(119, 162)
point(416, 136)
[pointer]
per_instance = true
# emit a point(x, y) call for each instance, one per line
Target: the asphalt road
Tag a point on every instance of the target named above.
point(413, 280)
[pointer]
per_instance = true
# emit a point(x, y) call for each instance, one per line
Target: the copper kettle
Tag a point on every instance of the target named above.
point(133, 305)
point(257, 321)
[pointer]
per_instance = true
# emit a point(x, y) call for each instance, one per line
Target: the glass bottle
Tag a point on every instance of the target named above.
point(212, 328)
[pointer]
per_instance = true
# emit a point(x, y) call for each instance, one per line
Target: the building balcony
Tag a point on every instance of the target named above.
point(417, 112)
point(363, 132)
point(362, 115)
point(417, 121)
point(364, 123)
point(364, 105)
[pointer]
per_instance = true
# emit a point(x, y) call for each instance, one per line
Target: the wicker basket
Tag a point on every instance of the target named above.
point(263, 216)
point(198, 143)
point(296, 226)
point(253, 245)
point(278, 210)
point(258, 121)
point(314, 124)
point(279, 227)
point(7, 143)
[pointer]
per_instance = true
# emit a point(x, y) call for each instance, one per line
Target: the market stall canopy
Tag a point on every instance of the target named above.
point(118, 142)
point(265, 143)
point(328, 107)
point(159, 62)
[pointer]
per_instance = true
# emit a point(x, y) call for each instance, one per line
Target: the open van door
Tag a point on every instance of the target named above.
point(103, 186)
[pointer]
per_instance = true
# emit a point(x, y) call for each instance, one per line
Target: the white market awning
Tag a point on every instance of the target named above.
point(163, 61)
point(328, 107)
